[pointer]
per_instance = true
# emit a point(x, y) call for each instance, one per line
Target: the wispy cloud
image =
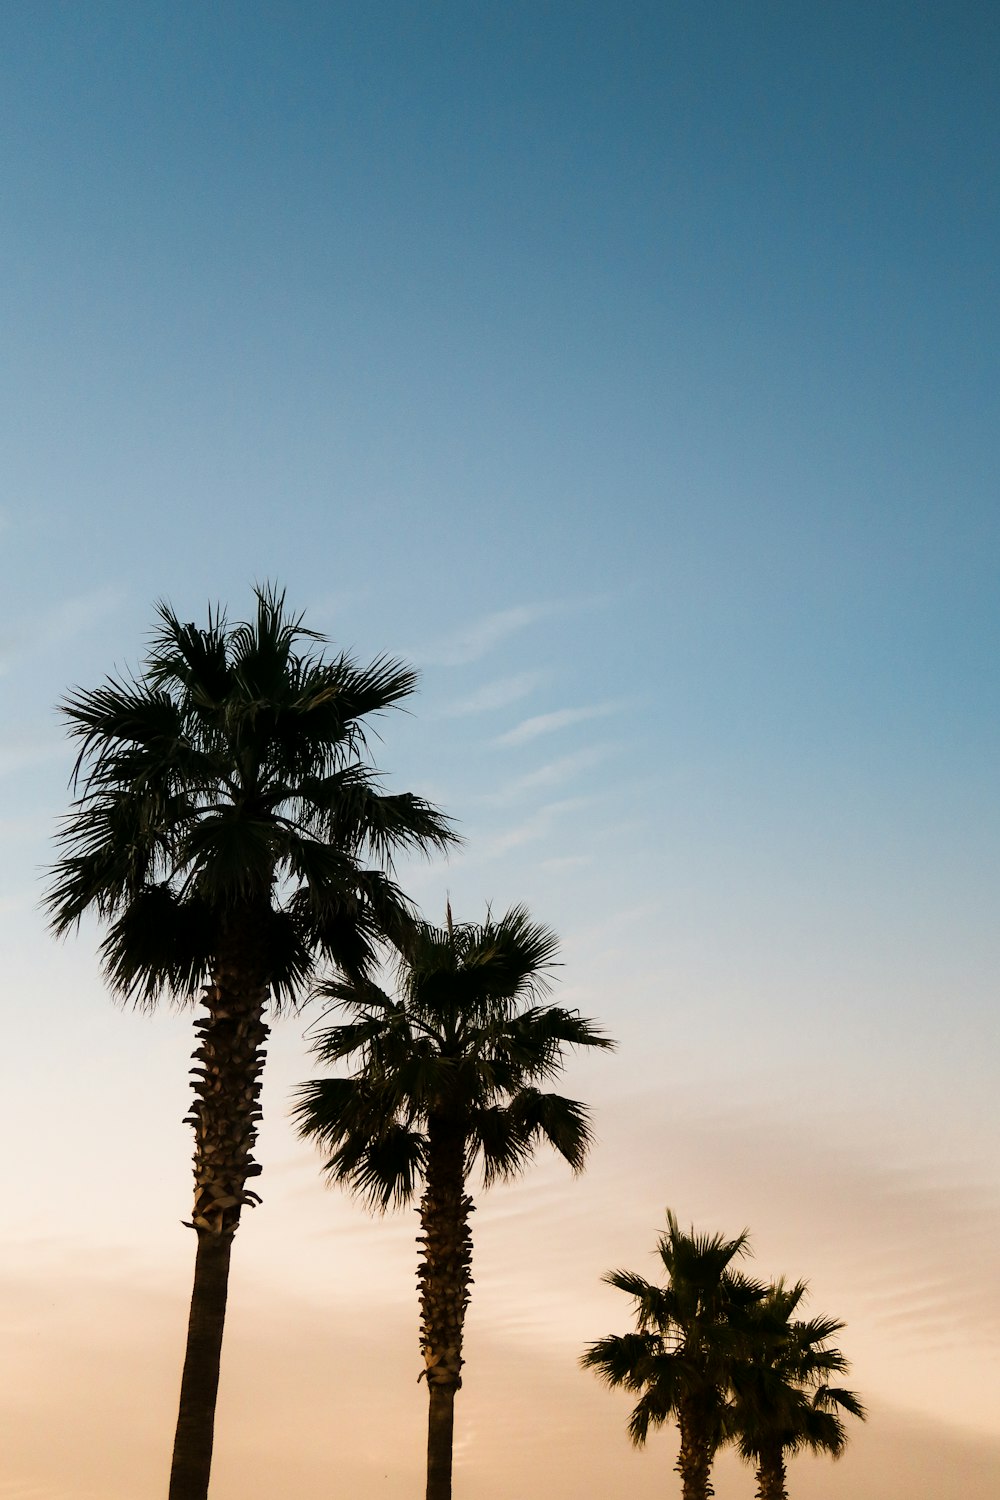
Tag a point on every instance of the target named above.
point(561, 718)
point(553, 773)
point(566, 862)
point(603, 935)
point(498, 694)
point(472, 641)
point(327, 608)
point(538, 826)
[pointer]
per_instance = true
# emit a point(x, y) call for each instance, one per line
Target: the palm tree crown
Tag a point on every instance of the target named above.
point(679, 1358)
point(232, 775)
point(783, 1401)
point(229, 830)
point(447, 1075)
point(459, 1045)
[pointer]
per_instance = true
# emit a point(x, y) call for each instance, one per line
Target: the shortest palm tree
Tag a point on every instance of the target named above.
point(447, 1075)
point(680, 1358)
point(782, 1401)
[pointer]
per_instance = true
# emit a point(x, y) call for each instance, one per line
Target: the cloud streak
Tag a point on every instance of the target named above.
point(553, 773)
point(538, 826)
point(475, 640)
point(562, 718)
point(492, 695)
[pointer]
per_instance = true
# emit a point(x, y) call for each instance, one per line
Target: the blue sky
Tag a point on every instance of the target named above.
point(632, 370)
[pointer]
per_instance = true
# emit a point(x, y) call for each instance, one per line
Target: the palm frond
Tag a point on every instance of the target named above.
point(199, 774)
point(372, 1153)
point(159, 945)
point(190, 665)
point(563, 1123)
point(334, 1110)
point(455, 1043)
point(118, 714)
point(655, 1305)
point(831, 1398)
point(361, 691)
point(335, 1043)
point(388, 1174)
point(655, 1406)
point(113, 847)
point(691, 1353)
point(291, 960)
point(781, 1400)
point(625, 1360)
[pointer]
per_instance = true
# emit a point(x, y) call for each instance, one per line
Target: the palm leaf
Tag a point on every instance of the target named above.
point(458, 1044)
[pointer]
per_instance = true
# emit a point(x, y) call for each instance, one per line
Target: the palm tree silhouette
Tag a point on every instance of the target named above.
point(229, 830)
point(782, 1401)
point(446, 1075)
point(688, 1333)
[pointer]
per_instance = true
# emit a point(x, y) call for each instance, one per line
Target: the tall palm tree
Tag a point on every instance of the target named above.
point(782, 1401)
point(679, 1359)
point(446, 1075)
point(229, 830)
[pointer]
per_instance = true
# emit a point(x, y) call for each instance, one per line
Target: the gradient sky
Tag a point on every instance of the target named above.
point(632, 370)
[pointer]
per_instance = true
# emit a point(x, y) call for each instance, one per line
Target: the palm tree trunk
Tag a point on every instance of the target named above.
point(443, 1277)
point(229, 1061)
point(694, 1462)
point(771, 1477)
point(193, 1439)
point(440, 1439)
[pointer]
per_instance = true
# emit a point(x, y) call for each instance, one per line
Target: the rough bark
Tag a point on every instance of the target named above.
point(771, 1477)
point(227, 1079)
point(694, 1462)
point(443, 1277)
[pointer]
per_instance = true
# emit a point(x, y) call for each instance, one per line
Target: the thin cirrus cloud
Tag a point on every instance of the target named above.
point(538, 826)
point(561, 718)
point(493, 695)
point(552, 773)
point(475, 640)
point(331, 607)
point(562, 863)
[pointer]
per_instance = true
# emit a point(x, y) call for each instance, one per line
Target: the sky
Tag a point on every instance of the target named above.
point(631, 370)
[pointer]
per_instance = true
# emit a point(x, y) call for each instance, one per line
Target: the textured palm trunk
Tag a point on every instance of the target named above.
point(694, 1462)
point(771, 1477)
point(443, 1277)
point(228, 1064)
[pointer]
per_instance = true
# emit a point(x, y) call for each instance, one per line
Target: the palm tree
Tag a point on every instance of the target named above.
point(679, 1359)
point(446, 1075)
point(226, 821)
point(782, 1400)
